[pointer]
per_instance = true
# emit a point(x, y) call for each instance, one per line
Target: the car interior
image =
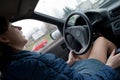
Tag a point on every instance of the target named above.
point(76, 30)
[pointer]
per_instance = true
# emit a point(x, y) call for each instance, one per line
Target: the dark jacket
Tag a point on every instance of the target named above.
point(28, 65)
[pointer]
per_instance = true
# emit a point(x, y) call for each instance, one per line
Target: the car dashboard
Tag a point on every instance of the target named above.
point(105, 21)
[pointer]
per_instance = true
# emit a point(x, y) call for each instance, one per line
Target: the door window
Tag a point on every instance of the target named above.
point(37, 33)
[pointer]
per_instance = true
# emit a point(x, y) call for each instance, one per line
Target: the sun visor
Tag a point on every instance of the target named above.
point(17, 7)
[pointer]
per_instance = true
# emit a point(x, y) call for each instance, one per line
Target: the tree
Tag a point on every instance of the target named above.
point(67, 11)
point(50, 27)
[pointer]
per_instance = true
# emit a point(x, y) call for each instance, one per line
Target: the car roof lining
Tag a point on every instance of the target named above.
point(17, 7)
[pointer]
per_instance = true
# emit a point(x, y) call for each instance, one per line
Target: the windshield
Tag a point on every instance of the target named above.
point(62, 8)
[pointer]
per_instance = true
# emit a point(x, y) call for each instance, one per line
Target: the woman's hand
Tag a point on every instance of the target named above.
point(72, 58)
point(114, 60)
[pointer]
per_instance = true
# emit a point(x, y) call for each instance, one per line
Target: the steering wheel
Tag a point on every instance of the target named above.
point(78, 34)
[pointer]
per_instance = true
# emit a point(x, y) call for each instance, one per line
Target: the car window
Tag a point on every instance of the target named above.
point(37, 33)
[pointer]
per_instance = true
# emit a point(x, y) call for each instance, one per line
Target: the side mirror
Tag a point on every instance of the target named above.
point(55, 34)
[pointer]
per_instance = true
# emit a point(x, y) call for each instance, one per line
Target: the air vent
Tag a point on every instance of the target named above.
point(115, 12)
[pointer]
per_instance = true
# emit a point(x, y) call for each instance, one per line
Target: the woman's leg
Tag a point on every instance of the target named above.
point(101, 49)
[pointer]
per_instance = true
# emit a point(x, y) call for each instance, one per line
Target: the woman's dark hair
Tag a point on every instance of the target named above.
point(3, 24)
point(4, 48)
point(3, 28)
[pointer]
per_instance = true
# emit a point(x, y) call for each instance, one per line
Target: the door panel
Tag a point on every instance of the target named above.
point(57, 47)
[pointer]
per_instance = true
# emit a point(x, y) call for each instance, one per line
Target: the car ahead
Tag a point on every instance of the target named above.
point(46, 16)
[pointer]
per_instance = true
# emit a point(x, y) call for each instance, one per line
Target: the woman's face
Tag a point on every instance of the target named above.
point(14, 37)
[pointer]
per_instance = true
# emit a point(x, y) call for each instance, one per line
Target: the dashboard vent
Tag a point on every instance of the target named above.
point(116, 12)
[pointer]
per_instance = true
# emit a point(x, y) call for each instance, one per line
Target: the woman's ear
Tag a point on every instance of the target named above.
point(4, 39)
